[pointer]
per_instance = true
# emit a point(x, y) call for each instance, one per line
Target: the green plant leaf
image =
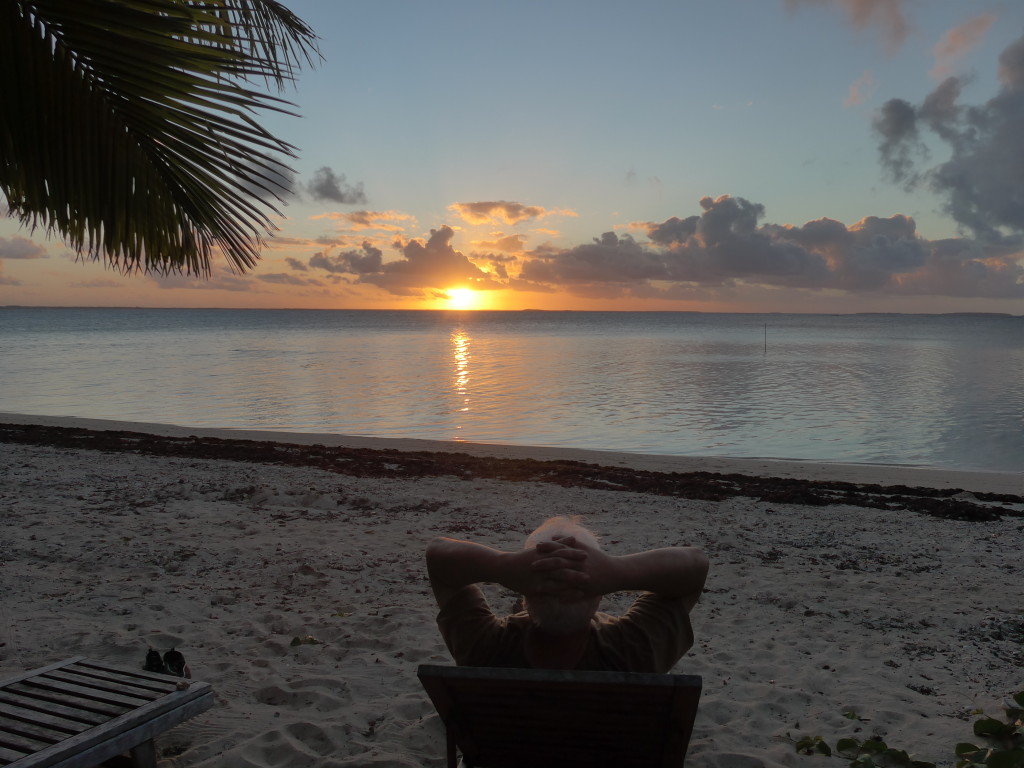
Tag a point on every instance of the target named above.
point(992, 728)
point(873, 746)
point(849, 747)
point(126, 126)
point(1006, 758)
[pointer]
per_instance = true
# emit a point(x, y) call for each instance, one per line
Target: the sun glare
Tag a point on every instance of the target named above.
point(462, 298)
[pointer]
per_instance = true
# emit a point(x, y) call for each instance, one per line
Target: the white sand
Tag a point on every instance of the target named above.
point(809, 611)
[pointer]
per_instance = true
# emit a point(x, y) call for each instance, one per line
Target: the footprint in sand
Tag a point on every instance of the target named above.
point(295, 696)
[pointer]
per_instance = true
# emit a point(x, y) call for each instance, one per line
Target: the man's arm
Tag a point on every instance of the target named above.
point(671, 572)
point(453, 564)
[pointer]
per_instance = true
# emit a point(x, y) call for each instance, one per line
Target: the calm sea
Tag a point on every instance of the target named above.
point(943, 390)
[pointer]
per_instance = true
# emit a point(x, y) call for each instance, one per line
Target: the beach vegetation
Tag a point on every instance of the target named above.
point(127, 126)
point(1004, 747)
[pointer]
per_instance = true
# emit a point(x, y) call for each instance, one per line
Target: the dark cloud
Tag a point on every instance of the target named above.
point(727, 247)
point(221, 281)
point(423, 266)
point(20, 248)
point(283, 278)
point(354, 262)
point(295, 264)
point(275, 179)
point(608, 259)
point(901, 143)
point(982, 182)
point(327, 185)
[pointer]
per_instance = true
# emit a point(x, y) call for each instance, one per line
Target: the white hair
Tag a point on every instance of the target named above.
point(551, 613)
point(562, 526)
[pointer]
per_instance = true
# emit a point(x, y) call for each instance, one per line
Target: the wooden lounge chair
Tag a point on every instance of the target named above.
point(502, 718)
point(79, 712)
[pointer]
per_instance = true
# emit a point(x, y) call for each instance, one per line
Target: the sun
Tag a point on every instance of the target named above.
point(462, 298)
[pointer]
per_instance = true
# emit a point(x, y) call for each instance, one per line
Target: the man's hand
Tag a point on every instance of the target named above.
point(672, 572)
point(559, 567)
point(548, 568)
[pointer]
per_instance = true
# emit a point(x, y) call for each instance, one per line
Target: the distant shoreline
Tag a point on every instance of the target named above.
point(528, 310)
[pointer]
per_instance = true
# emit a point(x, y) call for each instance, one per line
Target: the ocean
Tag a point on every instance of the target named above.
point(924, 390)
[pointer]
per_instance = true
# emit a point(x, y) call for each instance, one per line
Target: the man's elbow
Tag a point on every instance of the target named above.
point(701, 567)
point(437, 549)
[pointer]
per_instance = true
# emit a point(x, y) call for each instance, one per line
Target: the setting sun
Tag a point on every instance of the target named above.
point(462, 298)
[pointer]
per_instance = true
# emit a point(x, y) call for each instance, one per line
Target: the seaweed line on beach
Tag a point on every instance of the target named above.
point(954, 504)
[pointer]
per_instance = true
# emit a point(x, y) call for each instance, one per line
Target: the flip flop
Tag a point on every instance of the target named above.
point(174, 661)
point(154, 663)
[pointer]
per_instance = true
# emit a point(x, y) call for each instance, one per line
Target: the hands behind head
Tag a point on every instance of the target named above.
point(560, 567)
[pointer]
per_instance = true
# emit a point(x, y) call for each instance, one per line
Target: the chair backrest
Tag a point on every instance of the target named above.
point(502, 718)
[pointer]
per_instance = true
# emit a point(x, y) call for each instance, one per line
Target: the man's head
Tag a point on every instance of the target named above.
point(552, 613)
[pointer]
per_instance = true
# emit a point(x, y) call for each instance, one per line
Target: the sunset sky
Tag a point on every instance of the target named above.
point(712, 155)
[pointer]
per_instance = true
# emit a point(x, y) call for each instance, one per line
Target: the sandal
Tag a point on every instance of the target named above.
point(154, 663)
point(174, 661)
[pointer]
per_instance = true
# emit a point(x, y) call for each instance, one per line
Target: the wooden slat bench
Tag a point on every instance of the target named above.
point(80, 712)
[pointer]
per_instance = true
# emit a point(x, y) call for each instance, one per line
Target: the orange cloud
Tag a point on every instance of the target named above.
point(503, 211)
point(859, 90)
point(886, 15)
point(957, 42)
point(359, 220)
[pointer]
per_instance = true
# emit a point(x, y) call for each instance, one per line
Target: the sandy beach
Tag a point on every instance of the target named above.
point(292, 579)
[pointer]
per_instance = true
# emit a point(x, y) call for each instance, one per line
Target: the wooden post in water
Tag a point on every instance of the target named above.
point(766, 338)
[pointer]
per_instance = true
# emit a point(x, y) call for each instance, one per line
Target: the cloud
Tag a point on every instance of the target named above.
point(99, 283)
point(502, 212)
point(221, 281)
point(424, 266)
point(367, 261)
point(295, 264)
point(507, 244)
point(727, 247)
point(5, 280)
point(885, 15)
point(275, 179)
point(860, 89)
point(982, 182)
point(21, 248)
point(327, 185)
point(360, 220)
point(283, 278)
point(957, 42)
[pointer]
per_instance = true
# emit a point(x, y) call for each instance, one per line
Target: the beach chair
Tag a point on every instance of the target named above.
point(500, 718)
point(79, 713)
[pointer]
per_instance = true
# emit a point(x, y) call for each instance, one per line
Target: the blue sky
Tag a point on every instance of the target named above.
point(710, 155)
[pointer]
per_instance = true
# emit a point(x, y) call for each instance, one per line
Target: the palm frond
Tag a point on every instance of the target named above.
point(127, 126)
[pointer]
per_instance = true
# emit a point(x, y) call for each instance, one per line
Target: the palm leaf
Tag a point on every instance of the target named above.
point(127, 126)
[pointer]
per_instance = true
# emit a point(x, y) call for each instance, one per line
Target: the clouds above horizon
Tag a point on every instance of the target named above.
point(433, 264)
point(726, 246)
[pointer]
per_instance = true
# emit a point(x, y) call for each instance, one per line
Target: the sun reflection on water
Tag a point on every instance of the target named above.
point(461, 356)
